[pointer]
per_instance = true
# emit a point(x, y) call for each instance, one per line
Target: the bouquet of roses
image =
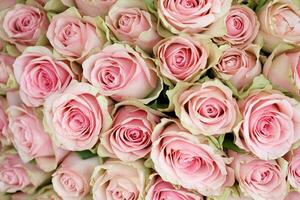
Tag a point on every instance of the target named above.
point(150, 99)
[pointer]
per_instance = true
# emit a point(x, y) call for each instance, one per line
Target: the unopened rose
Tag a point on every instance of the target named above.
point(182, 159)
point(76, 117)
point(17, 176)
point(271, 124)
point(160, 189)
point(206, 108)
point(23, 25)
point(282, 68)
point(185, 58)
point(74, 37)
point(260, 179)
point(39, 75)
point(241, 26)
point(121, 73)
point(30, 139)
point(193, 16)
point(129, 138)
point(91, 8)
point(7, 78)
point(280, 23)
point(239, 66)
point(130, 21)
point(71, 180)
point(119, 180)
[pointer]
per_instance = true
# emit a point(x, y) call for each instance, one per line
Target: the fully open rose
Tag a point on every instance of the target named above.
point(260, 179)
point(206, 108)
point(181, 158)
point(39, 75)
point(129, 138)
point(270, 125)
point(120, 72)
point(76, 117)
point(119, 180)
point(71, 180)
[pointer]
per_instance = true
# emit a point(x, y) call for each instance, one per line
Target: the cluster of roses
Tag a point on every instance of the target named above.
point(150, 99)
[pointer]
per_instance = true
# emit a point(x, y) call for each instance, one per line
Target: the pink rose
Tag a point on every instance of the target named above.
point(4, 129)
point(71, 180)
point(182, 159)
point(294, 169)
point(260, 179)
point(23, 25)
point(241, 26)
point(17, 176)
point(238, 66)
point(30, 139)
point(293, 196)
point(119, 180)
point(7, 79)
point(271, 124)
point(120, 72)
point(193, 16)
point(205, 108)
point(159, 189)
point(183, 58)
point(131, 22)
point(74, 37)
point(280, 23)
point(92, 8)
point(282, 68)
point(129, 138)
point(39, 75)
point(76, 117)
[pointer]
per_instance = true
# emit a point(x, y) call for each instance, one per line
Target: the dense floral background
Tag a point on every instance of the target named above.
point(150, 99)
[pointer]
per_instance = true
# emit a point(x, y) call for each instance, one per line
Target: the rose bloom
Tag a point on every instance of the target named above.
point(238, 66)
point(294, 169)
point(182, 159)
point(129, 138)
point(16, 176)
point(241, 27)
point(206, 108)
point(23, 25)
point(121, 73)
point(71, 179)
point(4, 129)
point(159, 189)
point(293, 196)
point(280, 23)
point(30, 139)
point(282, 68)
point(76, 117)
point(260, 179)
point(91, 8)
point(7, 79)
point(184, 58)
point(270, 126)
point(193, 16)
point(74, 37)
point(131, 22)
point(119, 180)
point(39, 75)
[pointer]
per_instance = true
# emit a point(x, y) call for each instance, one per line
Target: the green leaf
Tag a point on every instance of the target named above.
point(149, 163)
point(151, 6)
point(86, 154)
point(250, 3)
point(229, 144)
point(260, 4)
point(55, 6)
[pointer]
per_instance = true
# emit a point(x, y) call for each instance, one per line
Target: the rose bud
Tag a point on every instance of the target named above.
point(39, 75)
point(260, 179)
point(183, 159)
point(119, 180)
point(279, 23)
point(271, 124)
point(71, 179)
point(76, 117)
point(23, 25)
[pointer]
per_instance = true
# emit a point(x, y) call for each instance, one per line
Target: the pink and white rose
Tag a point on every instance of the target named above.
point(183, 159)
point(7, 78)
point(4, 128)
point(294, 169)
